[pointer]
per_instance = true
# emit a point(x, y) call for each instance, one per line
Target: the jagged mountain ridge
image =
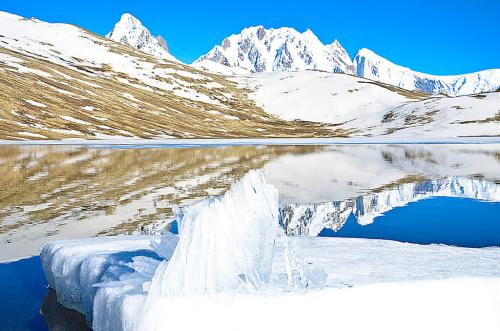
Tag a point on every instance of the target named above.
point(130, 31)
point(257, 49)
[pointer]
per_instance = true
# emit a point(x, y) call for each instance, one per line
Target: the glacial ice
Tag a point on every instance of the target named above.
point(226, 243)
point(72, 267)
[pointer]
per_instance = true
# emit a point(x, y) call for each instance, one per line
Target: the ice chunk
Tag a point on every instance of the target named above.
point(226, 243)
point(73, 267)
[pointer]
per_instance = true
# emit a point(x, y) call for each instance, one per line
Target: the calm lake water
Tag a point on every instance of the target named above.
point(442, 194)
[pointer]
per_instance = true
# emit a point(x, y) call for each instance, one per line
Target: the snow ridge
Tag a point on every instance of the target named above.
point(130, 31)
point(257, 49)
point(372, 66)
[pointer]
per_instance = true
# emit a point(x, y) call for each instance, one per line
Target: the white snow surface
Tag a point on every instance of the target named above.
point(360, 280)
point(257, 49)
point(391, 285)
point(370, 65)
point(319, 96)
point(130, 31)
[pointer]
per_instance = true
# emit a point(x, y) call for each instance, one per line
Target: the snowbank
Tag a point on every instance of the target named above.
point(458, 304)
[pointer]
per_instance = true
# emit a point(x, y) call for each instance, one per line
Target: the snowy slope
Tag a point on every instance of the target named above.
point(365, 107)
point(319, 96)
point(130, 31)
point(257, 49)
point(59, 81)
point(370, 65)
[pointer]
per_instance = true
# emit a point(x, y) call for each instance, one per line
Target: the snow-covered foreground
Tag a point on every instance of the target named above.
point(233, 269)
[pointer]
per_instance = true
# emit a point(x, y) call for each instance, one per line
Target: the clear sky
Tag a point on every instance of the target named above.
point(433, 36)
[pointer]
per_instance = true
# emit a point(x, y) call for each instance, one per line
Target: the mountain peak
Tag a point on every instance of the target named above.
point(130, 31)
point(366, 52)
point(127, 17)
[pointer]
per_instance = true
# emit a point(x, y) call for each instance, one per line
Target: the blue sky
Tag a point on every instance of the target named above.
point(438, 37)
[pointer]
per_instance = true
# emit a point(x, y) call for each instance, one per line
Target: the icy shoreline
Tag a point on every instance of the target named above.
point(232, 264)
point(186, 143)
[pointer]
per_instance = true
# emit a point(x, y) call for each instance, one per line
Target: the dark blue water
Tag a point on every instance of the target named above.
point(23, 288)
point(27, 303)
point(438, 220)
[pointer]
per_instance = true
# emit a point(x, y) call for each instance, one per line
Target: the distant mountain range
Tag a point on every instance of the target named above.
point(257, 49)
point(372, 66)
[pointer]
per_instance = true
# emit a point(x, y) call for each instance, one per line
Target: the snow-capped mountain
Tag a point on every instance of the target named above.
point(372, 66)
point(257, 49)
point(130, 31)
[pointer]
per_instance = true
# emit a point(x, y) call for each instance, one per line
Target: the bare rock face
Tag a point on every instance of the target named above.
point(261, 32)
point(163, 43)
point(226, 43)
